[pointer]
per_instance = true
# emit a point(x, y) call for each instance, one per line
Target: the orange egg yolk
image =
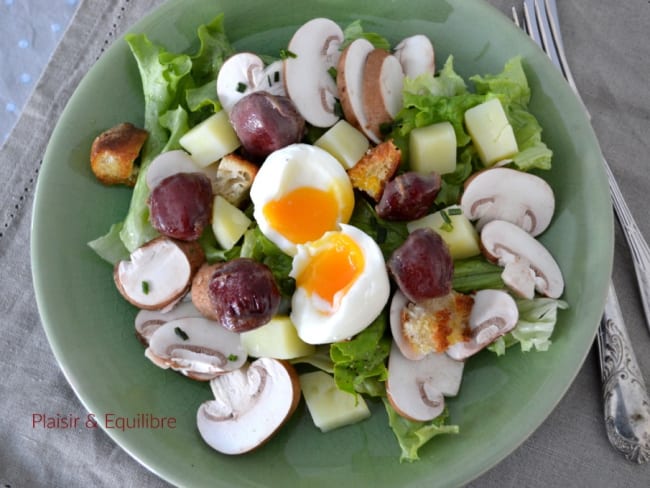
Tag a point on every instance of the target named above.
point(333, 269)
point(303, 214)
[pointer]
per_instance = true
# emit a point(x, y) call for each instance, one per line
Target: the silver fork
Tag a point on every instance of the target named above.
point(626, 401)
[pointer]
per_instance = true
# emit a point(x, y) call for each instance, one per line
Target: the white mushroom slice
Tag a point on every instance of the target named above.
point(528, 265)
point(239, 76)
point(273, 79)
point(383, 80)
point(349, 81)
point(314, 52)
point(509, 194)
point(416, 55)
point(148, 321)
point(172, 162)
point(416, 389)
point(250, 405)
point(397, 306)
point(158, 273)
point(494, 314)
point(196, 347)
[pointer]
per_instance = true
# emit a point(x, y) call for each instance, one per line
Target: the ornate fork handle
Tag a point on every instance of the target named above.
point(626, 401)
point(636, 242)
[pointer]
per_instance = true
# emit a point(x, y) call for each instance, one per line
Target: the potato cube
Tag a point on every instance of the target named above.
point(433, 148)
point(277, 339)
point(491, 132)
point(210, 140)
point(330, 407)
point(454, 228)
point(228, 222)
point(344, 142)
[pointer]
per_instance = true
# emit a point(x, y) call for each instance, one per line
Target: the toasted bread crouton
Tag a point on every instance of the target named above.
point(234, 178)
point(375, 169)
point(437, 323)
point(113, 153)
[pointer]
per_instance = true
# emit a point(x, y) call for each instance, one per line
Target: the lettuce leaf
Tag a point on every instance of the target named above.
point(354, 31)
point(412, 435)
point(360, 363)
point(537, 319)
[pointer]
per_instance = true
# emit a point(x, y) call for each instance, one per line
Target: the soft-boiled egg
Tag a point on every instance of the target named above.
point(299, 193)
point(341, 285)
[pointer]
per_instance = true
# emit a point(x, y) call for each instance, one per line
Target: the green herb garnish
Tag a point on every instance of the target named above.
point(145, 287)
point(286, 54)
point(233, 357)
point(181, 333)
point(241, 87)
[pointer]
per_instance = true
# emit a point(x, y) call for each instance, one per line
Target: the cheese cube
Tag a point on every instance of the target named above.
point(277, 339)
point(456, 230)
point(491, 132)
point(210, 140)
point(344, 142)
point(433, 148)
point(330, 407)
point(228, 222)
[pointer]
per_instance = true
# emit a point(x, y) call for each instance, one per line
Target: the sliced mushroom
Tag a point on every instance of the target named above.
point(245, 73)
point(397, 307)
point(148, 321)
point(349, 81)
point(417, 389)
point(314, 51)
point(158, 273)
point(528, 266)
point(383, 80)
point(250, 405)
point(493, 314)
point(509, 194)
point(172, 162)
point(416, 55)
point(196, 347)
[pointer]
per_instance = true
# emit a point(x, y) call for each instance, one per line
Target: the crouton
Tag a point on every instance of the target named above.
point(114, 152)
point(375, 169)
point(234, 178)
point(437, 323)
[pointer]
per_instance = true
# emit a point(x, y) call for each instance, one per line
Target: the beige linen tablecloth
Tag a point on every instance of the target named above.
point(608, 44)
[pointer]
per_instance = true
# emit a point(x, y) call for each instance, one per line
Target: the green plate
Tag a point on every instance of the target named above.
point(90, 328)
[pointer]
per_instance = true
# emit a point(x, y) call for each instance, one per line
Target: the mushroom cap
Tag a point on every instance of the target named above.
point(509, 194)
point(493, 314)
point(196, 347)
point(315, 48)
point(349, 81)
point(239, 75)
point(250, 405)
point(383, 81)
point(528, 266)
point(416, 389)
point(172, 162)
point(416, 55)
point(397, 305)
point(158, 273)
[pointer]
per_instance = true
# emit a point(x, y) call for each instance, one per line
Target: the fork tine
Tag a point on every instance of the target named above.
point(530, 21)
point(549, 40)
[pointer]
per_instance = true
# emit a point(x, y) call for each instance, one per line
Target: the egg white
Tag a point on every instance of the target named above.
point(293, 167)
point(357, 308)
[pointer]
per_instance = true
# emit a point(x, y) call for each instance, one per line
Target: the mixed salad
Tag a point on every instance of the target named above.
point(341, 221)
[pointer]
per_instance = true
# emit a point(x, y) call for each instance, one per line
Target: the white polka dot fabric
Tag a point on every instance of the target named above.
point(29, 32)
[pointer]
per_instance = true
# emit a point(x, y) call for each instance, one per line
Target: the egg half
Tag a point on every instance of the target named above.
point(299, 193)
point(342, 285)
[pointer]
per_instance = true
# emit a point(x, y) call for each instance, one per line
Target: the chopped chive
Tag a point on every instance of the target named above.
point(455, 211)
point(241, 87)
point(268, 80)
point(285, 54)
point(447, 226)
point(332, 72)
point(145, 287)
point(233, 357)
point(276, 76)
point(181, 333)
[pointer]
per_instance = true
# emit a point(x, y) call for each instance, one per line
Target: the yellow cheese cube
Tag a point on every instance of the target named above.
point(456, 230)
point(491, 132)
point(328, 406)
point(433, 148)
point(210, 140)
point(344, 142)
point(228, 222)
point(277, 339)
